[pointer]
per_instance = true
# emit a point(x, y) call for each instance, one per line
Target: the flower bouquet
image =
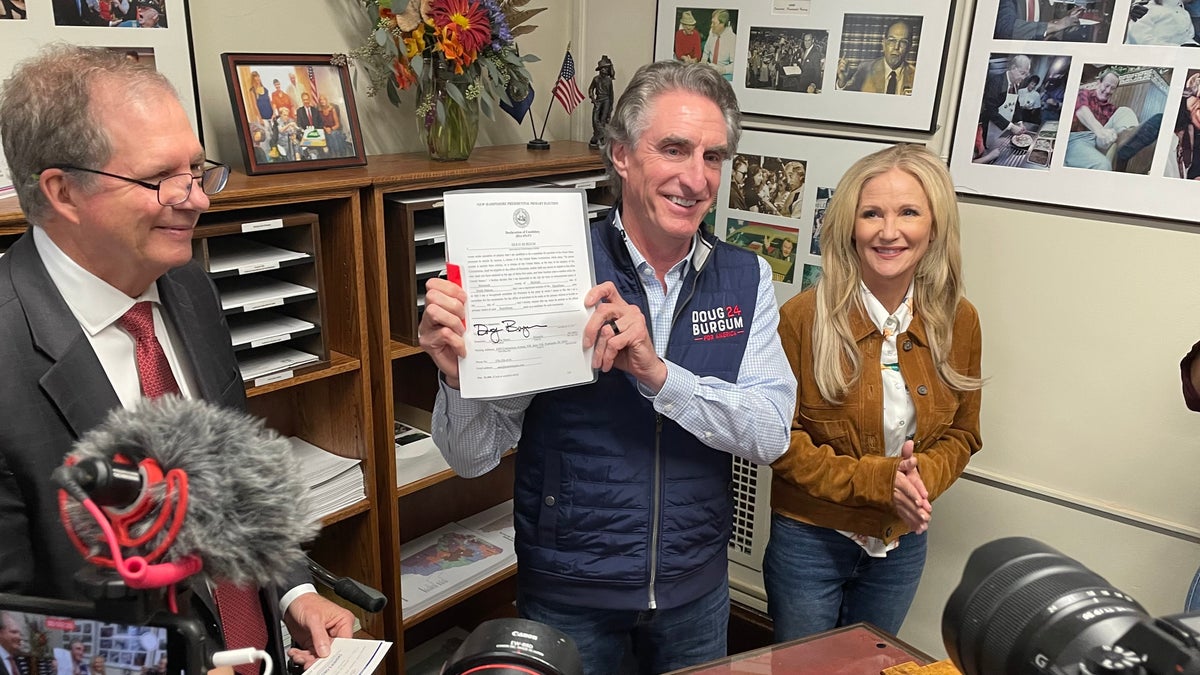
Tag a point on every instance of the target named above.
point(461, 55)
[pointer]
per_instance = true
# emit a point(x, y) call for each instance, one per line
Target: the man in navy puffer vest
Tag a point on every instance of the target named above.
point(622, 496)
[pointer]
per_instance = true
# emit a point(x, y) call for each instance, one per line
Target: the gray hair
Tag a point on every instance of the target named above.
point(631, 115)
point(46, 115)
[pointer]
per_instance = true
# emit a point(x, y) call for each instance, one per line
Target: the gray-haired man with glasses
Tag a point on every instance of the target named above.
point(105, 165)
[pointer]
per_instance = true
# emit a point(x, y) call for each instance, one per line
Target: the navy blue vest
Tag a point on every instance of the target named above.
point(616, 506)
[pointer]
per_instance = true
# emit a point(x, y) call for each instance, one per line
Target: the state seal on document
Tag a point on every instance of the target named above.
point(521, 218)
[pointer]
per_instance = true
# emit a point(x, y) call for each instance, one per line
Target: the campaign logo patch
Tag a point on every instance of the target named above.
point(717, 323)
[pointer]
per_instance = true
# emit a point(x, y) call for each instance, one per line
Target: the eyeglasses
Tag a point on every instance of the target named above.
point(902, 43)
point(172, 190)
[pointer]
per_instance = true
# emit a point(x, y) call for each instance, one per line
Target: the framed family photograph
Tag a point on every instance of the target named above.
point(874, 63)
point(294, 112)
point(1085, 103)
point(773, 197)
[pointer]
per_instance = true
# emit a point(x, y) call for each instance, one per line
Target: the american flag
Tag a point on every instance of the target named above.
point(312, 82)
point(565, 89)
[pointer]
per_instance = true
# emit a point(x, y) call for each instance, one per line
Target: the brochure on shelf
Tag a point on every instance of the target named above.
point(258, 363)
point(416, 455)
point(495, 525)
point(444, 562)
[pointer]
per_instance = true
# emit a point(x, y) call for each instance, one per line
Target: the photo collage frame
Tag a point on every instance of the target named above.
point(1093, 104)
point(871, 62)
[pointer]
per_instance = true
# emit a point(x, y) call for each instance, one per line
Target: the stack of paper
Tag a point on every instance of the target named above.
point(335, 482)
point(416, 455)
point(278, 359)
point(454, 558)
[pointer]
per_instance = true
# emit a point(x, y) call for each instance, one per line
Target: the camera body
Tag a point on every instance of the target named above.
point(126, 635)
point(1023, 607)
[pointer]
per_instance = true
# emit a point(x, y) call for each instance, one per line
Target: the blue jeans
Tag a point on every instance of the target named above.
point(656, 640)
point(817, 578)
point(1192, 603)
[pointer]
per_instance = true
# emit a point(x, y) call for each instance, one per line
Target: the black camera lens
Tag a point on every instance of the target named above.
point(1023, 607)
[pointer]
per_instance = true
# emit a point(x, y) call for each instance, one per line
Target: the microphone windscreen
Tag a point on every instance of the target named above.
point(247, 513)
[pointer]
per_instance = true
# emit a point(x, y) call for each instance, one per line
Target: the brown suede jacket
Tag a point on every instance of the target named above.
point(835, 473)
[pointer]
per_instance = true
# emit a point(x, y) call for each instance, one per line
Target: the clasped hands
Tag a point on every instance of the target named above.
point(909, 495)
point(616, 329)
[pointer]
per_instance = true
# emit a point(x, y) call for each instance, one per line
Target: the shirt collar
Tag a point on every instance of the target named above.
point(95, 303)
point(639, 260)
point(863, 324)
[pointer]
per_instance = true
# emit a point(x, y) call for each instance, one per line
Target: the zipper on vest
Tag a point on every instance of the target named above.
point(656, 508)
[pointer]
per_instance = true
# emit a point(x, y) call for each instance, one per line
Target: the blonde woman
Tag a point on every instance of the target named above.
point(886, 354)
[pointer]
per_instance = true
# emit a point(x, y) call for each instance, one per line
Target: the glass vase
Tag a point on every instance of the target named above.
point(447, 111)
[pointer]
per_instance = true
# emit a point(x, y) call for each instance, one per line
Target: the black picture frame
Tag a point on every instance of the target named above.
point(301, 140)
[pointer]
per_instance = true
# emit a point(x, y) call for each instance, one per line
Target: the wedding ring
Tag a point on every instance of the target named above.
point(612, 323)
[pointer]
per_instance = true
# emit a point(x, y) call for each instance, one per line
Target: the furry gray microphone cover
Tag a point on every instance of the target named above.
point(247, 514)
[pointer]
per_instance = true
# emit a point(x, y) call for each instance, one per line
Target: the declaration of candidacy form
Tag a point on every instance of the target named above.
point(525, 260)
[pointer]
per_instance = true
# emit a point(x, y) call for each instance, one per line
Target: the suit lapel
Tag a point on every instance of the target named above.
point(206, 369)
point(75, 382)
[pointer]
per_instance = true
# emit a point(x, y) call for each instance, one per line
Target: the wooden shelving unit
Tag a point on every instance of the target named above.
point(369, 320)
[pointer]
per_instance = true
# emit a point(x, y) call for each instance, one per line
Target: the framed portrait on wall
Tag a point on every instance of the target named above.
point(153, 32)
point(773, 197)
point(294, 112)
point(1086, 104)
point(872, 63)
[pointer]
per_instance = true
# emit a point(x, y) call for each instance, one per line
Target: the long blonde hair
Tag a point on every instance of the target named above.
point(937, 283)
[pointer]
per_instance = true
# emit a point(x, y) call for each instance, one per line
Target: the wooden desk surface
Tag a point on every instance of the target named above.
point(860, 649)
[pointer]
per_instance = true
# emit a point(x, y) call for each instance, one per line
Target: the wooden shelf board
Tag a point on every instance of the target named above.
point(348, 512)
point(422, 483)
point(484, 584)
point(402, 350)
point(338, 364)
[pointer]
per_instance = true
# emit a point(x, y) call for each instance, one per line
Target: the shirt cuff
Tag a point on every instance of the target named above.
point(291, 595)
point(676, 392)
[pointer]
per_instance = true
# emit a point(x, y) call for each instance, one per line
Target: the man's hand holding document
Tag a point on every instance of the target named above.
point(512, 316)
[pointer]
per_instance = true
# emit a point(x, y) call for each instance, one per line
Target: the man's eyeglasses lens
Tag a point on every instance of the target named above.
point(175, 190)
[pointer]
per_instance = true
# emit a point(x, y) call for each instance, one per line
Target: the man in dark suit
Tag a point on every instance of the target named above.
point(112, 208)
point(812, 63)
point(77, 13)
point(1035, 20)
point(308, 115)
point(891, 73)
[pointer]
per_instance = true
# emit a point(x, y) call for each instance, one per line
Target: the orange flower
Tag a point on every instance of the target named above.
point(464, 25)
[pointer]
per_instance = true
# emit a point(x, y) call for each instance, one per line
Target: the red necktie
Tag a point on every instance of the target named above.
point(12, 665)
point(716, 50)
point(242, 621)
point(1032, 10)
point(153, 369)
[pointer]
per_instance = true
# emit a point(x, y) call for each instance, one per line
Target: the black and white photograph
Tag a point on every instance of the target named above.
point(786, 59)
point(13, 10)
point(821, 64)
point(770, 185)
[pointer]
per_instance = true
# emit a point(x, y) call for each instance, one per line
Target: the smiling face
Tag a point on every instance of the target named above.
point(1106, 87)
point(892, 229)
point(77, 652)
point(716, 26)
point(117, 230)
point(895, 44)
point(671, 175)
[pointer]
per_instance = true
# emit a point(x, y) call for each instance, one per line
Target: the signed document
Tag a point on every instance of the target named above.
point(525, 260)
